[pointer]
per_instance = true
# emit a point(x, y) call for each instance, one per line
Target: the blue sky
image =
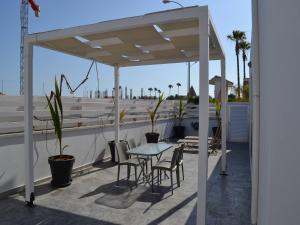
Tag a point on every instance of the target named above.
point(227, 15)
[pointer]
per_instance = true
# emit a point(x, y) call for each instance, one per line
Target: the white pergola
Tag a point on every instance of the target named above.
point(173, 36)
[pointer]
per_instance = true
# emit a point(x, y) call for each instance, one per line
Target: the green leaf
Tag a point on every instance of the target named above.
point(65, 147)
point(152, 114)
point(58, 98)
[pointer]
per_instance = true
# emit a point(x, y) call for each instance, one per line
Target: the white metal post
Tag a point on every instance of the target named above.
point(203, 116)
point(28, 124)
point(189, 78)
point(255, 74)
point(223, 114)
point(117, 120)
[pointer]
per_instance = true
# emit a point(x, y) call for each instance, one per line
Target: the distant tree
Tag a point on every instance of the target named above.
point(155, 90)
point(150, 90)
point(159, 91)
point(244, 46)
point(178, 85)
point(237, 36)
point(231, 98)
point(170, 87)
point(246, 92)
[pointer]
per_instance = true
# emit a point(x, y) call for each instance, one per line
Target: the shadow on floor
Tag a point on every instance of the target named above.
point(14, 212)
point(173, 210)
point(229, 197)
point(126, 194)
point(46, 188)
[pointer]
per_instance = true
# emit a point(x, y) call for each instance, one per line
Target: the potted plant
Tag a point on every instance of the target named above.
point(152, 137)
point(217, 129)
point(112, 144)
point(61, 165)
point(179, 129)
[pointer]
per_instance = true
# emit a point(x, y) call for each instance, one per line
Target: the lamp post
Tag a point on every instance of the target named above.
point(169, 1)
point(189, 63)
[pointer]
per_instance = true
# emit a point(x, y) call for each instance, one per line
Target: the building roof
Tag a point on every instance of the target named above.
point(162, 37)
point(216, 78)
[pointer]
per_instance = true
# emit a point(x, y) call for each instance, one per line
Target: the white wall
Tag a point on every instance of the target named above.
point(86, 144)
point(279, 180)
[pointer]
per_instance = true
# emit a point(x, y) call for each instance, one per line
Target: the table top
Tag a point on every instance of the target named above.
point(150, 149)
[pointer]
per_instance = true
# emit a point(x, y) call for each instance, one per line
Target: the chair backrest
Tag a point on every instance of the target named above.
point(180, 154)
point(175, 157)
point(122, 151)
point(131, 143)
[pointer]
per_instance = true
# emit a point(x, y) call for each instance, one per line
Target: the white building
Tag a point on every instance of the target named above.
point(276, 110)
point(217, 82)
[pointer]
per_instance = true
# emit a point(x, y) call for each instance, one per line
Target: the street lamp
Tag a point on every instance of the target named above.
point(189, 63)
point(169, 1)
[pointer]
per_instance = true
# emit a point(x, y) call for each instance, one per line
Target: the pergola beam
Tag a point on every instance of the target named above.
point(203, 116)
point(223, 115)
point(117, 110)
point(28, 123)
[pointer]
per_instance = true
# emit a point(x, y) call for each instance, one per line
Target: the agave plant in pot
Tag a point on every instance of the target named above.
point(217, 129)
point(179, 129)
point(152, 137)
point(61, 165)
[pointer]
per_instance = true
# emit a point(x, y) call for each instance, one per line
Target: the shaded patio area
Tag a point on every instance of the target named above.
point(94, 198)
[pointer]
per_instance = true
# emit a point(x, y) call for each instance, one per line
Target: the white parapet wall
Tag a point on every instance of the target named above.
point(88, 127)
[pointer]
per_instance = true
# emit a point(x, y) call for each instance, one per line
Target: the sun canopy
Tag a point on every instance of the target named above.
point(181, 35)
point(163, 37)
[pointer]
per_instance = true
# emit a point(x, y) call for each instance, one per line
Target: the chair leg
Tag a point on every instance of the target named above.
point(118, 174)
point(171, 174)
point(157, 177)
point(128, 171)
point(178, 176)
point(160, 176)
point(152, 181)
point(135, 172)
point(182, 171)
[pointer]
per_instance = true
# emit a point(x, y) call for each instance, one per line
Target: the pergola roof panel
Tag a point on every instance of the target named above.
point(164, 37)
point(128, 35)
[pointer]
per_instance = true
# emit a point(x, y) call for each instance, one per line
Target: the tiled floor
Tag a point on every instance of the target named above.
point(94, 198)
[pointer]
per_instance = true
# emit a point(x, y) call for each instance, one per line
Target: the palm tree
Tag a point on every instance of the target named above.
point(155, 90)
point(159, 91)
point(244, 46)
point(150, 90)
point(178, 85)
point(170, 87)
point(237, 36)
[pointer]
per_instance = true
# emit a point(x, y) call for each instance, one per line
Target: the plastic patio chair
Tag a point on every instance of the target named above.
point(125, 160)
point(167, 166)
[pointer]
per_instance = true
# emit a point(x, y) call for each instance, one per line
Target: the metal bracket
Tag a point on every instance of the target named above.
point(30, 203)
point(223, 173)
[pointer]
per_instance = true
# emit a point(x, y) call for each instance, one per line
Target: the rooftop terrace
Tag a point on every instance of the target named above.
point(94, 198)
